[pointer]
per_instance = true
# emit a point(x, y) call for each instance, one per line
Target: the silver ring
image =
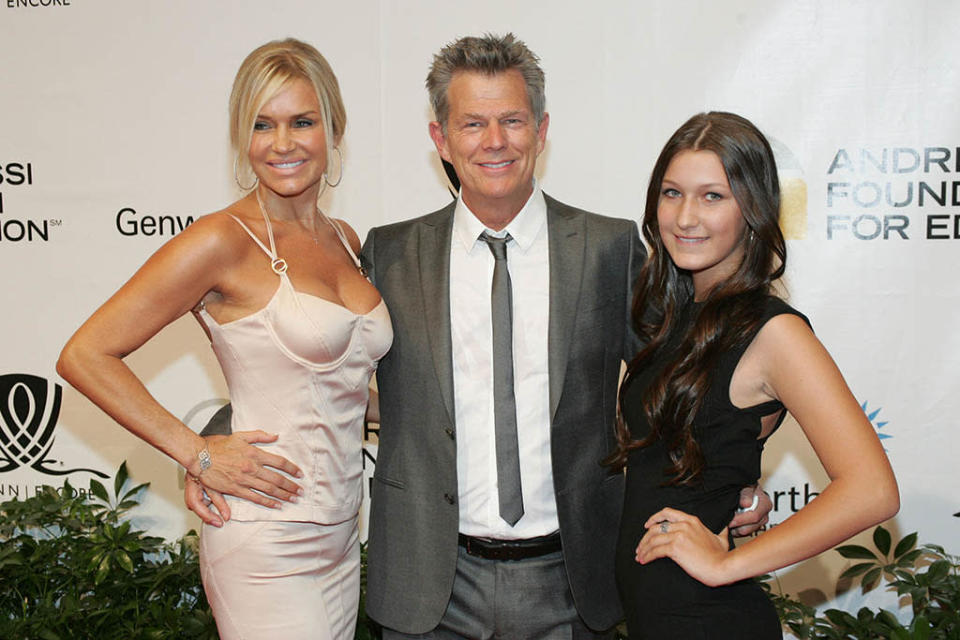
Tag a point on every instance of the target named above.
point(664, 526)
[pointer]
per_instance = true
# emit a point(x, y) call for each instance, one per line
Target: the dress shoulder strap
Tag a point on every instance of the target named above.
point(254, 236)
point(343, 237)
point(279, 265)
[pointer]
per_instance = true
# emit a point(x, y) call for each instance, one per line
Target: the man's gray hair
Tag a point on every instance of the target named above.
point(489, 54)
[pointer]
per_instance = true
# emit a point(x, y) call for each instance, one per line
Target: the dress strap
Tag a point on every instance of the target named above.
point(252, 235)
point(343, 237)
point(279, 265)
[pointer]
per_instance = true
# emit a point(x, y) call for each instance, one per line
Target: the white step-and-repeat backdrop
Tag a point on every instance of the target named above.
point(113, 137)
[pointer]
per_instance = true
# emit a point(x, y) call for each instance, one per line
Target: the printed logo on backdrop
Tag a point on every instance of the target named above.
point(15, 176)
point(789, 500)
point(371, 440)
point(14, 228)
point(878, 425)
point(793, 192)
point(29, 409)
point(27, 4)
point(130, 222)
point(199, 414)
point(894, 193)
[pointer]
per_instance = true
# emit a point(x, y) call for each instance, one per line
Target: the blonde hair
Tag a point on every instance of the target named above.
point(264, 73)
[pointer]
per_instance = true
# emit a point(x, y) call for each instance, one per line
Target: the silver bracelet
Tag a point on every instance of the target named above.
point(204, 457)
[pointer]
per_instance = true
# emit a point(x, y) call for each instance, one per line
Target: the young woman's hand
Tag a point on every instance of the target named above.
point(683, 538)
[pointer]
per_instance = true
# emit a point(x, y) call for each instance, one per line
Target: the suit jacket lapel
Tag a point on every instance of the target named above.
point(567, 238)
point(435, 236)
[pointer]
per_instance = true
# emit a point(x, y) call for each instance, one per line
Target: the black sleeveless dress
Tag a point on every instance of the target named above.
point(660, 600)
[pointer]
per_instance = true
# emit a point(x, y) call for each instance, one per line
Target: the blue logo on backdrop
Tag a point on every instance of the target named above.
point(29, 408)
point(877, 424)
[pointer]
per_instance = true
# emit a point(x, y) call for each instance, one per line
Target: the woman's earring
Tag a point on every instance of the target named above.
point(236, 175)
point(340, 177)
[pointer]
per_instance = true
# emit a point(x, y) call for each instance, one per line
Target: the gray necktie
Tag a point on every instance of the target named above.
point(504, 403)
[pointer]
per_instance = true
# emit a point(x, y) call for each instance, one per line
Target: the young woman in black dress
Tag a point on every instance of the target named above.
point(724, 360)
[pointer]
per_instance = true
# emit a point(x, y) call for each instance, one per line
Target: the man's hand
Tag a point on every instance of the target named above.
point(240, 469)
point(755, 507)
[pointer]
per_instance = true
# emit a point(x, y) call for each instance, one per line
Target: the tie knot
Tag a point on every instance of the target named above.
point(498, 246)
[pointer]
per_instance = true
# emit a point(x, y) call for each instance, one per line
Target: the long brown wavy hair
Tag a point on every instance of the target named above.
point(730, 311)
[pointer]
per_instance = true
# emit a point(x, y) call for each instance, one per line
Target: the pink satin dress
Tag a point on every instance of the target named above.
point(300, 367)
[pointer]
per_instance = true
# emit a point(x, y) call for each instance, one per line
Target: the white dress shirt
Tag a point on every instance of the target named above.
point(471, 276)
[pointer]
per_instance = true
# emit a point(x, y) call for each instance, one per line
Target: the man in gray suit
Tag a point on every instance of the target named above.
point(443, 561)
point(446, 558)
point(491, 513)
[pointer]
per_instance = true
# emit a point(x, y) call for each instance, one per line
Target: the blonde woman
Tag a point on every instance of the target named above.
point(297, 330)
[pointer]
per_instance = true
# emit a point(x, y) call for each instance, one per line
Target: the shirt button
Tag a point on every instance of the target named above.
point(448, 498)
point(450, 433)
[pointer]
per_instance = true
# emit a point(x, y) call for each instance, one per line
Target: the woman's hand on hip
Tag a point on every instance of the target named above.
point(684, 539)
point(240, 469)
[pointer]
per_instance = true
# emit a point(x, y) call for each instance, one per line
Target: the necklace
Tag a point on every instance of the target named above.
point(314, 232)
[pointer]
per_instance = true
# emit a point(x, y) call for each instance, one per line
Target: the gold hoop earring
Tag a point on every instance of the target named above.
point(327, 180)
point(236, 175)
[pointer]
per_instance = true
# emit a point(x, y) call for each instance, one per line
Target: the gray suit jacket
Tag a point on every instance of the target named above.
point(414, 517)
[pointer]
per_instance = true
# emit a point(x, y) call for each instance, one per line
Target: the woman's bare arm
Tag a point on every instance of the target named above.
point(168, 285)
point(797, 370)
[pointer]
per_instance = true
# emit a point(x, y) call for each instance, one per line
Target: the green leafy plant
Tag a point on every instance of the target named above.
point(73, 566)
point(927, 577)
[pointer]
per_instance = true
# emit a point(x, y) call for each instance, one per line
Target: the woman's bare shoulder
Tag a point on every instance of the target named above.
point(784, 333)
point(213, 236)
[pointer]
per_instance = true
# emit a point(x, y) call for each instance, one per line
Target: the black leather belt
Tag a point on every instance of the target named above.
point(493, 549)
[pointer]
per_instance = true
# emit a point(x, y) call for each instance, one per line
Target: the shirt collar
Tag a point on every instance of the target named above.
point(524, 228)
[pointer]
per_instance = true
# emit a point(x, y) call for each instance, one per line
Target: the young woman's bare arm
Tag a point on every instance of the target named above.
point(797, 370)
